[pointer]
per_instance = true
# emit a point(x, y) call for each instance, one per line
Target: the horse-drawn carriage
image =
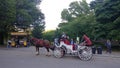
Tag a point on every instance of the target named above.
point(59, 50)
point(82, 51)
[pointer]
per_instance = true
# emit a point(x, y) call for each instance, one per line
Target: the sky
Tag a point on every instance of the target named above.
point(52, 10)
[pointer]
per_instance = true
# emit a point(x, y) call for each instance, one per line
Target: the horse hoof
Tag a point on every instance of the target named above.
point(48, 55)
point(37, 53)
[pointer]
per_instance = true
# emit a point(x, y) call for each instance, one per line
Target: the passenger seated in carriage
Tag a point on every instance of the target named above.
point(56, 41)
point(73, 44)
point(65, 38)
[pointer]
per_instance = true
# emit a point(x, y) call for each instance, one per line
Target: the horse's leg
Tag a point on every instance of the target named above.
point(48, 51)
point(37, 50)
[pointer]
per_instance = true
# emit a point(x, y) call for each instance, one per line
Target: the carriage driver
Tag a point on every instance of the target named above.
point(86, 40)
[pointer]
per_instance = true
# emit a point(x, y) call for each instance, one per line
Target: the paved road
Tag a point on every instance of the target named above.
point(26, 58)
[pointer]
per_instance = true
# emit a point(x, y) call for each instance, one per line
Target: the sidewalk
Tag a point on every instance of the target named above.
point(114, 54)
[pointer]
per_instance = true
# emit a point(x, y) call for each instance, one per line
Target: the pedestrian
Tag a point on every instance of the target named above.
point(9, 43)
point(17, 41)
point(108, 46)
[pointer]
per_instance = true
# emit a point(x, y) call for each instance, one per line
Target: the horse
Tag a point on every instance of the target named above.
point(42, 43)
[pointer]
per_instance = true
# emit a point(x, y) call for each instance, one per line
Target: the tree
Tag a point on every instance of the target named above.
point(108, 16)
point(82, 19)
point(75, 9)
point(7, 17)
point(38, 27)
point(66, 16)
point(26, 13)
point(49, 35)
point(19, 14)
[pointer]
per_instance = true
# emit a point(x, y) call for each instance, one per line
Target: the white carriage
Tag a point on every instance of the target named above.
point(83, 52)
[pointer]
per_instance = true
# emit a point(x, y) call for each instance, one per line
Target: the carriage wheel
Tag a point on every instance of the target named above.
point(58, 52)
point(85, 54)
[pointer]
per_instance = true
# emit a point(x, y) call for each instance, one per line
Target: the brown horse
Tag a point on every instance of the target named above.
point(42, 43)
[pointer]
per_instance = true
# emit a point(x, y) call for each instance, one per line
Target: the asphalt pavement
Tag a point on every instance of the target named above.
point(114, 54)
point(24, 57)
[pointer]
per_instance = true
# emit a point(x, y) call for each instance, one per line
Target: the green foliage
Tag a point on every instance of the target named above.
point(50, 35)
point(7, 15)
point(37, 32)
point(20, 14)
point(66, 16)
point(27, 13)
point(83, 20)
point(38, 27)
point(109, 17)
point(100, 20)
point(75, 9)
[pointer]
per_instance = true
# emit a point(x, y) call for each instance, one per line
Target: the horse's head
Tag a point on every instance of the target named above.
point(33, 40)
